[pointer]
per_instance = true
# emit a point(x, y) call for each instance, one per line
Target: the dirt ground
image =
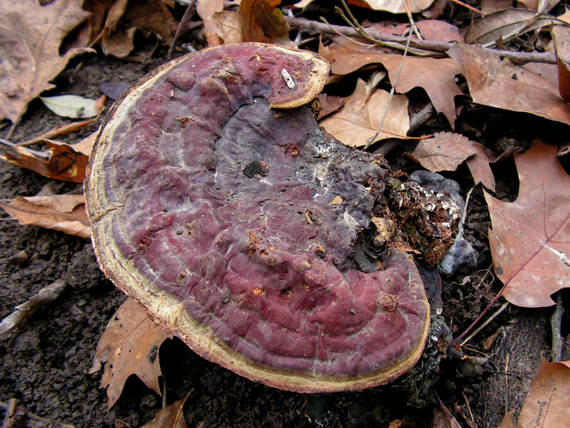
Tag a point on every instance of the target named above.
point(45, 363)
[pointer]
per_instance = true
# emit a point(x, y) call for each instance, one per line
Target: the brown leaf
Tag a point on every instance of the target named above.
point(394, 6)
point(126, 17)
point(504, 24)
point(206, 9)
point(435, 29)
point(360, 117)
point(490, 6)
point(31, 37)
point(328, 104)
point(129, 345)
point(59, 162)
point(65, 213)
point(169, 417)
point(561, 36)
point(435, 76)
point(444, 152)
point(530, 238)
point(548, 401)
point(229, 26)
point(85, 146)
point(497, 82)
point(479, 166)
point(262, 21)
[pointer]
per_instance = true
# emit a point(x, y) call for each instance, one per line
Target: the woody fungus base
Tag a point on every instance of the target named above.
point(218, 203)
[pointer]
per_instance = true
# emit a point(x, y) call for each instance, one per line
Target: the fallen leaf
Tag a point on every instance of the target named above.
point(504, 25)
point(358, 120)
point(59, 131)
point(530, 4)
point(126, 17)
point(444, 152)
point(85, 146)
point(262, 21)
point(435, 29)
point(206, 9)
point(394, 6)
point(31, 37)
point(328, 104)
point(444, 419)
point(229, 26)
point(548, 400)
point(59, 162)
point(72, 106)
point(169, 417)
point(561, 37)
point(479, 166)
point(65, 213)
point(496, 82)
point(435, 76)
point(490, 6)
point(530, 238)
point(129, 345)
point(96, 22)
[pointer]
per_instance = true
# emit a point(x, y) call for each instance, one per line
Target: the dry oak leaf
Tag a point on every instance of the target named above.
point(394, 6)
point(358, 120)
point(206, 9)
point(561, 37)
point(479, 166)
point(262, 21)
point(548, 400)
point(60, 162)
point(65, 213)
point(229, 26)
point(444, 152)
point(126, 17)
point(496, 82)
point(505, 24)
point(435, 75)
point(530, 238)
point(129, 345)
point(170, 417)
point(31, 36)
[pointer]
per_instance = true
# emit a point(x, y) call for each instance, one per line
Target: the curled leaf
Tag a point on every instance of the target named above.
point(72, 106)
point(65, 213)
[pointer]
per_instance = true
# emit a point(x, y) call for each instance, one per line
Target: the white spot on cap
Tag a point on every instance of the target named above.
point(288, 79)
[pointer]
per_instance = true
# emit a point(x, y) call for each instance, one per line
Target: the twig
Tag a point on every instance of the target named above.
point(466, 6)
point(45, 296)
point(439, 47)
point(391, 95)
point(482, 326)
point(482, 314)
point(421, 117)
point(556, 325)
point(190, 9)
point(16, 412)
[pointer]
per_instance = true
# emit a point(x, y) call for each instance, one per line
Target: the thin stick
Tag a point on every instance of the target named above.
point(555, 326)
point(482, 314)
point(439, 47)
point(190, 9)
point(23, 311)
point(466, 6)
point(391, 95)
point(482, 326)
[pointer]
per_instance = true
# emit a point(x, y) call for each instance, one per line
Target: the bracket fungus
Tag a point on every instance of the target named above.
point(217, 202)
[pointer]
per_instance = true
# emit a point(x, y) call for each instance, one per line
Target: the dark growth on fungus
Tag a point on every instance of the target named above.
point(253, 235)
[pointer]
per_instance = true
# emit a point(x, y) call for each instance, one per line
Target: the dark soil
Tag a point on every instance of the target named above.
point(45, 363)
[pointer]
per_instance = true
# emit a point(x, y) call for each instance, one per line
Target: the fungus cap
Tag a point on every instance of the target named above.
point(233, 223)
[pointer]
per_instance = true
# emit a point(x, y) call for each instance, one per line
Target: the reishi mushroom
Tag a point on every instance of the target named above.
point(217, 202)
